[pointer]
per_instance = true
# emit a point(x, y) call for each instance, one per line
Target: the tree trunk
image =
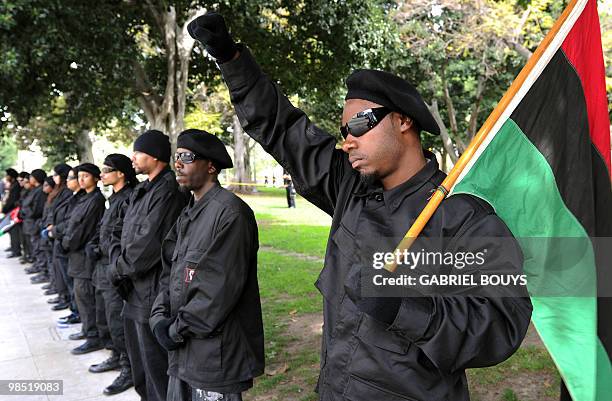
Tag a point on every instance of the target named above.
point(446, 140)
point(241, 158)
point(84, 146)
point(167, 113)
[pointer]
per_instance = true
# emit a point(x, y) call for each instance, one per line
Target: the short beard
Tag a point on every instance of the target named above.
point(368, 179)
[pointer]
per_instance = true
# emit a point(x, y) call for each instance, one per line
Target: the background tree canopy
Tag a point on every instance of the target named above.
point(73, 67)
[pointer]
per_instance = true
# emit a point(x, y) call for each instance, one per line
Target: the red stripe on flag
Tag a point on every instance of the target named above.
point(583, 49)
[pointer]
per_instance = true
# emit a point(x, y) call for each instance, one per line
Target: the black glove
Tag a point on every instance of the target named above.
point(92, 252)
point(163, 337)
point(383, 309)
point(124, 287)
point(211, 31)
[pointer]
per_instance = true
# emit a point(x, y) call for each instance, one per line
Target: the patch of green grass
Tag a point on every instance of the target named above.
point(287, 289)
point(305, 239)
point(509, 395)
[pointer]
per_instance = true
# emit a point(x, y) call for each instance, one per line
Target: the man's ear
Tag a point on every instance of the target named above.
point(406, 123)
point(211, 168)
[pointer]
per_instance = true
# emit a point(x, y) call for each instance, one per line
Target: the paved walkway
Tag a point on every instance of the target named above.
point(32, 347)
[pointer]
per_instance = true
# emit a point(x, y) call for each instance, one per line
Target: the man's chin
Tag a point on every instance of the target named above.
point(368, 179)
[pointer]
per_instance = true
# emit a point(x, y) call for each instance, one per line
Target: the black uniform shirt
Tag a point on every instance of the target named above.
point(210, 285)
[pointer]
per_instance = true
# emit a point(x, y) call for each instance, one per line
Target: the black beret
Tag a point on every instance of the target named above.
point(62, 170)
point(154, 143)
point(205, 145)
point(122, 163)
point(392, 92)
point(11, 172)
point(39, 175)
point(89, 168)
point(24, 174)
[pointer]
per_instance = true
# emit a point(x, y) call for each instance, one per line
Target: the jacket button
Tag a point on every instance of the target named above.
point(378, 197)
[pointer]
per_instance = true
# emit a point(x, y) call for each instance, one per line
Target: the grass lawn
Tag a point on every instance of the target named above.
point(293, 244)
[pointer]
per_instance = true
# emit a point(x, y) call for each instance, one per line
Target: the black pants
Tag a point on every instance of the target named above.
point(101, 320)
point(63, 282)
point(26, 244)
point(113, 305)
point(179, 390)
point(38, 253)
point(85, 297)
point(149, 361)
point(15, 235)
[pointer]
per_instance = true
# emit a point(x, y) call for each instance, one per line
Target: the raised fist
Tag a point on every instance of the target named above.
point(211, 31)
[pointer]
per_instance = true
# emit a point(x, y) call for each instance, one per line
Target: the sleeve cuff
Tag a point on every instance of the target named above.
point(174, 335)
point(414, 318)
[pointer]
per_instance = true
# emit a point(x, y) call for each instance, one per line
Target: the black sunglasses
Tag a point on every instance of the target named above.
point(106, 170)
point(186, 157)
point(364, 121)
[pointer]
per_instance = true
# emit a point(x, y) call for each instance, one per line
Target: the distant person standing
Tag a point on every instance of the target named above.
point(290, 189)
point(153, 208)
point(11, 201)
point(32, 211)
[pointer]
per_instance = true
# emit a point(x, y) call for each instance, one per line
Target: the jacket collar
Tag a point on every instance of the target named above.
point(395, 196)
point(150, 184)
point(194, 208)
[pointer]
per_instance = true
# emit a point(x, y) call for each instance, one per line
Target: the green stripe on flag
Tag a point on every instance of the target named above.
point(515, 178)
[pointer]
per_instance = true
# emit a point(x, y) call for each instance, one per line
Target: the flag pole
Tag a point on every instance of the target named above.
point(478, 139)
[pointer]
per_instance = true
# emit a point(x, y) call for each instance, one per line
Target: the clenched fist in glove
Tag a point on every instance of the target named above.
point(211, 31)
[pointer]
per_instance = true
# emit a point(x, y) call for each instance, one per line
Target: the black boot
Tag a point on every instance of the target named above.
point(62, 306)
point(111, 363)
point(50, 291)
point(32, 270)
point(55, 300)
point(40, 279)
point(91, 345)
point(46, 286)
point(122, 382)
point(77, 336)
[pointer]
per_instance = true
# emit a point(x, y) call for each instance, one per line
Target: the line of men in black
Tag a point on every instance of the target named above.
point(163, 274)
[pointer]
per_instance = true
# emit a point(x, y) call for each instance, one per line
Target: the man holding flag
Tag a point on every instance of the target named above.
point(376, 348)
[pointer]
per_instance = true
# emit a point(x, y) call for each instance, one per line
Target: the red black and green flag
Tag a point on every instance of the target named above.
point(545, 168)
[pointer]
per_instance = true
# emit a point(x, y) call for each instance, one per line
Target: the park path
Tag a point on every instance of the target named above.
point(32, 347)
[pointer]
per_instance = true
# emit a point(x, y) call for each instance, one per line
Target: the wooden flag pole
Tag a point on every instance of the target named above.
point(478, 139)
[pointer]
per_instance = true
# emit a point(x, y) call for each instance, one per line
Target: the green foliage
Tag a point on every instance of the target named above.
point(8, 152)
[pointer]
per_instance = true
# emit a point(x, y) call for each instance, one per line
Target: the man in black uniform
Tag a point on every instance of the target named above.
point(32, 210)
point(118, 172)
point(81, 227)
point(46, 249)
point(24, 183)
point(153, 208)
point(63, 198)
point(11, 202)
point(377, 348)
point(208, 312)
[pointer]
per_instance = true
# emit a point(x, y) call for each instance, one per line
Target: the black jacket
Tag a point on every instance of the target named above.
point(58, 216)
point(152, 210)
point(62, 205)
point(423, 354)
point(12, 199)
point(209, 283)
point(32, 210)
point(80, 228)
point(105, 246)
